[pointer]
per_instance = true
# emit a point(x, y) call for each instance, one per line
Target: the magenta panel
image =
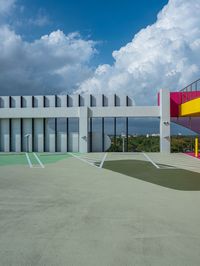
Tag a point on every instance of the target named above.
point(177, 98)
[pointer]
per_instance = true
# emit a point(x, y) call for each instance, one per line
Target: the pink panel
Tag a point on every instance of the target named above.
point(177, 98)
point(175, 101)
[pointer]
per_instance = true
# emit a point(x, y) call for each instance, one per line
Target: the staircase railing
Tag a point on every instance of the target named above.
point(191, 91)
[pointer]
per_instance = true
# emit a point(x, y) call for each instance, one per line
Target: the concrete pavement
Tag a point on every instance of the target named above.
point(71, 213)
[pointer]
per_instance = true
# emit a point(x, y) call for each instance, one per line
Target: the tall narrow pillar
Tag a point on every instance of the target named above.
point(83, 129)
point(5, 127)
point(38, 126)
point(50, 126)
point(61, 126)
point(27, 130)
point(165, 142)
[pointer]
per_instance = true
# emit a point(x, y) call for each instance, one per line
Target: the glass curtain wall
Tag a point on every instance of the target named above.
point(73, 135)
point(143, 134)
point(121, 134)
point(110, 130)
point(96, 134)
point(61, 134)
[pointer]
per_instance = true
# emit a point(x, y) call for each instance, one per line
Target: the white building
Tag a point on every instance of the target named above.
point(46, 120)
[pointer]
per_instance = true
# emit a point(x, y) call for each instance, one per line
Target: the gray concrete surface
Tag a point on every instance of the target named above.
point(71, 213)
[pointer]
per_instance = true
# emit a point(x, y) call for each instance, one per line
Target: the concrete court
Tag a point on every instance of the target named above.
point(71, 213)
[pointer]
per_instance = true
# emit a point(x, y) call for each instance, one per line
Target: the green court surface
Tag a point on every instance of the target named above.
point(48, 158)
point(21, 159)
point(13, 159)
point(179, 179)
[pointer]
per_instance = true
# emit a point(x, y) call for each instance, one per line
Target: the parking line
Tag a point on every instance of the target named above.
point(41, 164)
point(150, 160)
point(103, 160)
point(83, 160)
point(29, 161)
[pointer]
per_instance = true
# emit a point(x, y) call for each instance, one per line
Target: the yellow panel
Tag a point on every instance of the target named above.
point(191, 108)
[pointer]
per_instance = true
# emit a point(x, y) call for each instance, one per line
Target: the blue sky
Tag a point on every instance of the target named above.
point(111, 23)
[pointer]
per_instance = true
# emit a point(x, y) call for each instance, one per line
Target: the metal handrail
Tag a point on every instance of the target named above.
point(192, 87)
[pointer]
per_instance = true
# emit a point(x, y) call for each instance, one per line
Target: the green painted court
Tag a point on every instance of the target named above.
point(99, 209)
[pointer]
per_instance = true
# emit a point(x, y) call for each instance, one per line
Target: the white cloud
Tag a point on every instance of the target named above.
point(53, 63)
point(6, 6)
point(40, 20)
point(165, 54)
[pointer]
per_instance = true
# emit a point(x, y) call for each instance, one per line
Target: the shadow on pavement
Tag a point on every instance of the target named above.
point(178, 179)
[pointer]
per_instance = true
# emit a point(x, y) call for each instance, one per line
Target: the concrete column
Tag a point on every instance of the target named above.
point(50, 136)
point(83, 129)
point(16, 126)
point(5, 127)
point(165, 142)
point(87, 99)
point(61, 126)
point(27, 125)
point(38, 126)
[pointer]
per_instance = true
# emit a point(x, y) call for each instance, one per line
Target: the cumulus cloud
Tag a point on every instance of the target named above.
point(163, 55)
point(53, 63)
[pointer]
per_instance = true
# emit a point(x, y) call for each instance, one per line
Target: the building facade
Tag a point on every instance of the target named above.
point(63, 123)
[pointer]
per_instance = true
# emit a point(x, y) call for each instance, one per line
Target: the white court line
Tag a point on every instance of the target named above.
point(29, 161)
point(81, 159)
point(41, 164)
point(151, 161)
point(103, 160)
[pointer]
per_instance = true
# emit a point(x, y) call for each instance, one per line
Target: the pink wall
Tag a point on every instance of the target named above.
point(177, 98)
